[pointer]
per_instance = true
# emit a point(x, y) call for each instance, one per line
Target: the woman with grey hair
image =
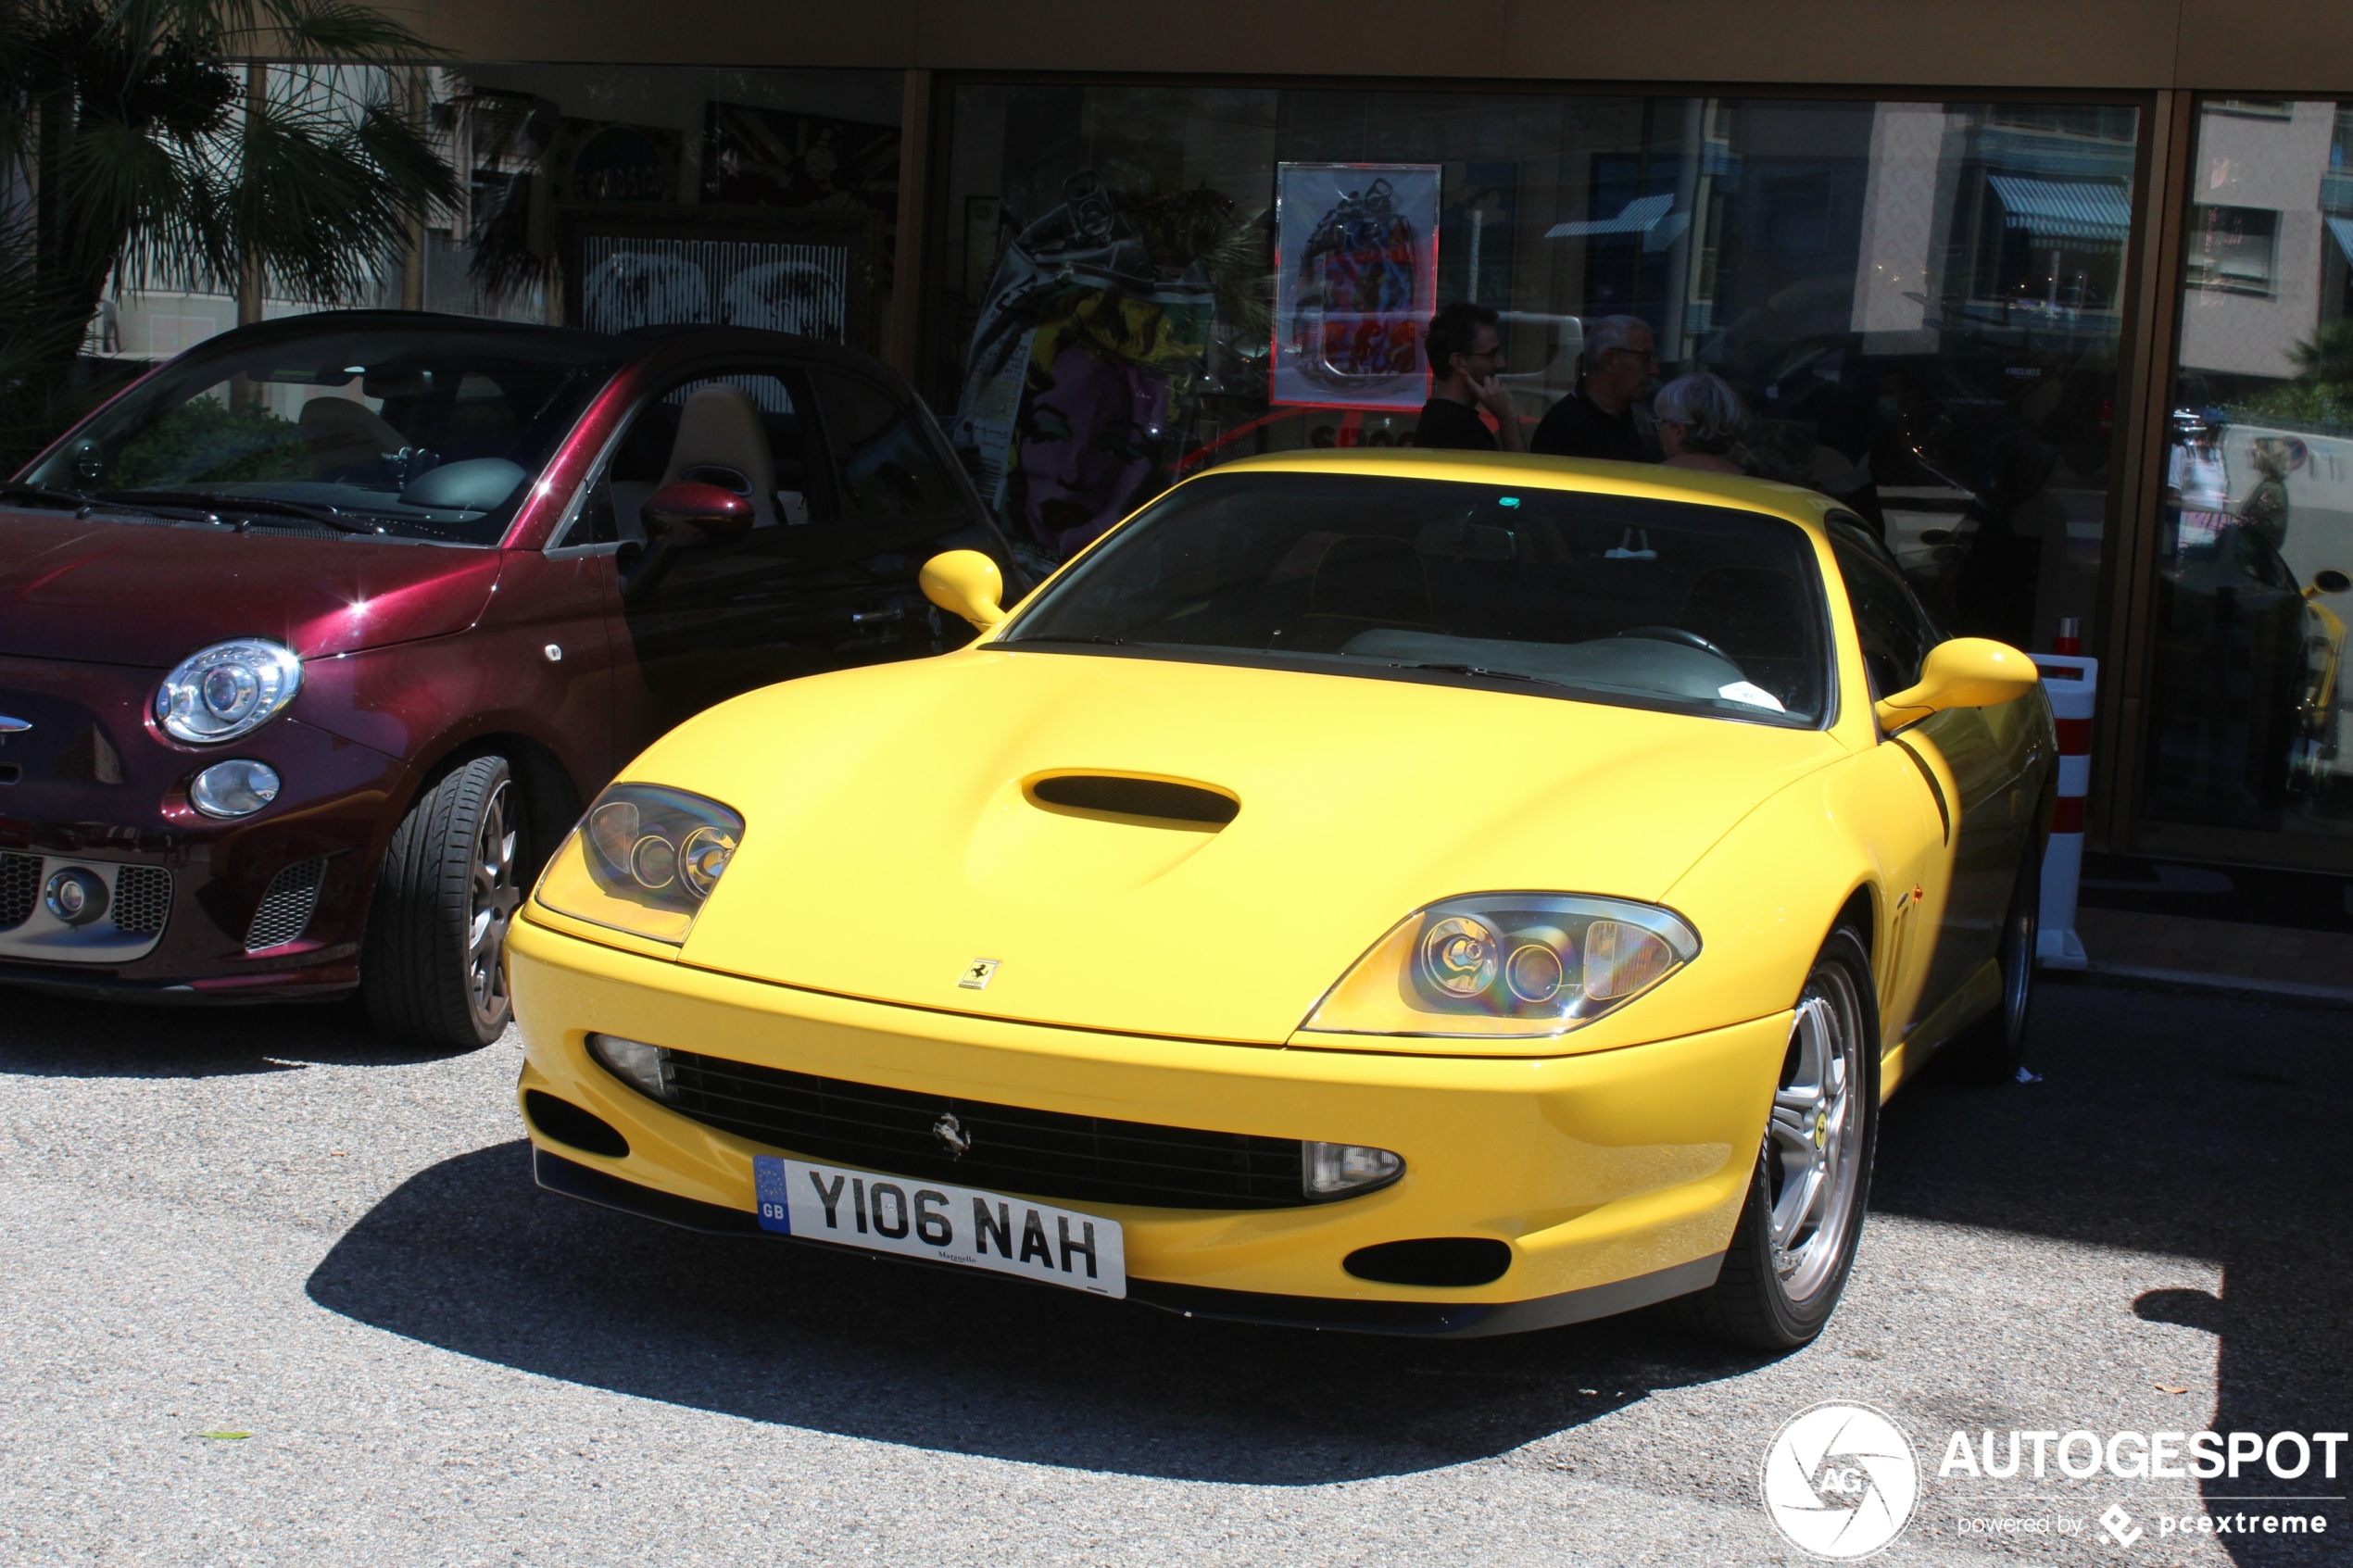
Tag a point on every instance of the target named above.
point(1699, 417)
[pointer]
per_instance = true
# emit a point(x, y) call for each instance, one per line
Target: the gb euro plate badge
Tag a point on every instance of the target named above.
point(946, 1224)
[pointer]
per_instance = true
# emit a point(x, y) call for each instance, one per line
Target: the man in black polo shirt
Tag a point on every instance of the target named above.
point(1465, 353)
point(1597, 419)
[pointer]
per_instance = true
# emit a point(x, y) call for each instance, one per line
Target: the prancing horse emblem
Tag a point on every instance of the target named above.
point(977, 974)
point(951, 1136)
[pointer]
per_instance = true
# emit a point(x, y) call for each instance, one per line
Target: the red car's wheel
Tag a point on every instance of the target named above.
point(432, 969)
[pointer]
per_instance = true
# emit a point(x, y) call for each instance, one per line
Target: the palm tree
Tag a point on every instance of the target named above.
point(137, 143)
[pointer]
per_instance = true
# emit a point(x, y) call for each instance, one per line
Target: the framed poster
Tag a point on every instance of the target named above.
point(1355, 283)
point(806, 272)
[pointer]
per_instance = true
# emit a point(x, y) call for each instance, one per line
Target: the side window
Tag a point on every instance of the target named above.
point(889, 467)
point(746, 432)
point(1895, 632)
point(595, 525)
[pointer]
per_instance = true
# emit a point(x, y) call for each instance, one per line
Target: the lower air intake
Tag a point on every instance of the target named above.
point(142, 899)
point(284, 912)
point(19, 888)
point(1455, 1260)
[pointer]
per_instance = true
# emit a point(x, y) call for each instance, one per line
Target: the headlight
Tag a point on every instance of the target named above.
point(227, 690)
point(1506, 964)
point(642, 860)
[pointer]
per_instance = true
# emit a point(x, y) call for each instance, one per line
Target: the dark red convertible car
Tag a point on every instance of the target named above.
point(314, 640)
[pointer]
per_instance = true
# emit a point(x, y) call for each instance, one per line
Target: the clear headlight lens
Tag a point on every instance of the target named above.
point(233, 789)
point(227, 690)
point(1505, 965)
point(642, 860)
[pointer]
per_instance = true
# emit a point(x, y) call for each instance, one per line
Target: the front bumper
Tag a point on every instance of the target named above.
point(1615, 1177)
point(93, 784)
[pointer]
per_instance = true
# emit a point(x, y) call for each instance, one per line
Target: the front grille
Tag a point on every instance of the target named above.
point(1037, 1153)
point(19, 888)
point(284, 911)
point(142, 899)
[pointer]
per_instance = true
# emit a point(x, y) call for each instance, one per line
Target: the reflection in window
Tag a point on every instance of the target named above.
point(2247, 707)
point(1916, 302)
point(2231, 248)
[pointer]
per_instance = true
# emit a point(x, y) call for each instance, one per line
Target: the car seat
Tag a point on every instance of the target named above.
point(721, 442)
point(342, 433)
point(1371, 577)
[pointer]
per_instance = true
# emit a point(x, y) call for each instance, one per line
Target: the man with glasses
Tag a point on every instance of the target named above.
point(1597, 419)
point(1465, 352)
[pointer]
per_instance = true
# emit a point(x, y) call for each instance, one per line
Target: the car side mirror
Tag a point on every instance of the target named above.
point(1963, 672)
point(689, 513)
point(2328, 580)
point(966, 582)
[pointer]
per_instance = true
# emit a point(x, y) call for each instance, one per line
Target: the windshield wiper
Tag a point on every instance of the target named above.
point(1472, 670)
point(217, 501)
point(85, 504)
point(1065, 637)
point(46, 493)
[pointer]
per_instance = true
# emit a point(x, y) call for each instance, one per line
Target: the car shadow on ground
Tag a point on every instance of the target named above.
point(2164, 1123)
point(60, 1036)
point(470, 1256)
point(2174, 1124)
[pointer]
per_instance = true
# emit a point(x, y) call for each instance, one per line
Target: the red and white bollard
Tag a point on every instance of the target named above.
point(2070, 681)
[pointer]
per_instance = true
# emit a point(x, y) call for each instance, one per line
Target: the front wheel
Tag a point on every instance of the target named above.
point(432, 969)
point(1796, 1239)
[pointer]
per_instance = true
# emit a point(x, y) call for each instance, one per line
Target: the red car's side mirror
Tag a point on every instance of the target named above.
point(689, 513)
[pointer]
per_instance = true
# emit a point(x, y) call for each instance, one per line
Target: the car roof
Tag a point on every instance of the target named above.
point(638, 342)
point(1653, 481)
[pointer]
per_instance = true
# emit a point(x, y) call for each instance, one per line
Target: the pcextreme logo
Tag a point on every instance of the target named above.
point(1840, 1481)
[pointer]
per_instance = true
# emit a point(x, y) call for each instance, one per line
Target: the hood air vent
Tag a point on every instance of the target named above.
point(1137, 798)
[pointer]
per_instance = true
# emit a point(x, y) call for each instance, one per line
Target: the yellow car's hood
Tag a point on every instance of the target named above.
point(890, 845)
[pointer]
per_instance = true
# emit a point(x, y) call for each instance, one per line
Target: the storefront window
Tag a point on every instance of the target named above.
point(1917, 303)
point(2245, 705)
point(618, 196)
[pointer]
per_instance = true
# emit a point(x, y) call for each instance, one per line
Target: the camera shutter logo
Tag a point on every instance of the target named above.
point(1840, 1481)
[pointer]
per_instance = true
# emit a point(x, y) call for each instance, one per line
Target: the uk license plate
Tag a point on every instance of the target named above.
point(944, 1224)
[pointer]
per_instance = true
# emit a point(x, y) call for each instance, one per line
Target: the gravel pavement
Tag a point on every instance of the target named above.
point(267, 1222)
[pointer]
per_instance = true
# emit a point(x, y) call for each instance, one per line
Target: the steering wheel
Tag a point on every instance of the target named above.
point(1677, 634)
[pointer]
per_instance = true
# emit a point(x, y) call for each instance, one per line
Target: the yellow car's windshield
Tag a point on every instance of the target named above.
point(1627, 600)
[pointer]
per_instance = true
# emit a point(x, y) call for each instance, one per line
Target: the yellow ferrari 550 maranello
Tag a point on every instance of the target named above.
point(1414, 893)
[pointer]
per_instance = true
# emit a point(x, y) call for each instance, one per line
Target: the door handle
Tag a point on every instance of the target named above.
point(868, 616)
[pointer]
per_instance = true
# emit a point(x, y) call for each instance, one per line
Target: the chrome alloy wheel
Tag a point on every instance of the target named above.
point(491, 897)
point(1813, 1141)
point(2020, 934)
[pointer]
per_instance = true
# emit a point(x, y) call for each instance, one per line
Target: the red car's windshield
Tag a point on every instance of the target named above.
point(431, 432)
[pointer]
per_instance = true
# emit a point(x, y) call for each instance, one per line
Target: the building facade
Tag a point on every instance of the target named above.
point(2057, 297)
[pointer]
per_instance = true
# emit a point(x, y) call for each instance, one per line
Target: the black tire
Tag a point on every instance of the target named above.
point(432, 968)
point(1994, 1048)
point(1772, 1297)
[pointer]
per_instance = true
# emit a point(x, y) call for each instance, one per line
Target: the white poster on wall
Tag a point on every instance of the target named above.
point(1355, 283)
